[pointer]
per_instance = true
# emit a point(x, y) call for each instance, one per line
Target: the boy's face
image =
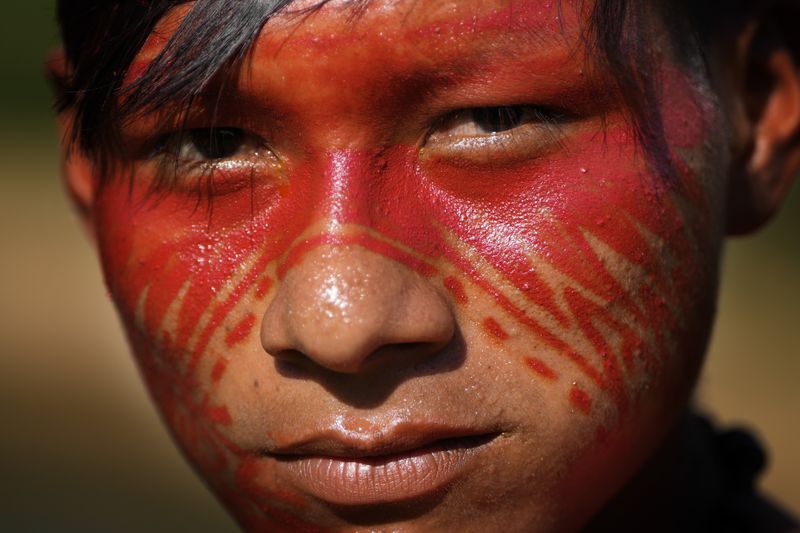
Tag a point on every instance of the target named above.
point(431, 281)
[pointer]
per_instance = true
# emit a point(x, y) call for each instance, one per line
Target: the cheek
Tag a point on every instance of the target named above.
point(601, 262)
point(186, 277)
point(202, 252)
point(599, 269)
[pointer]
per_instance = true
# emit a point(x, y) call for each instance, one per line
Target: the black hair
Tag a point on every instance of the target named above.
point(101, 39)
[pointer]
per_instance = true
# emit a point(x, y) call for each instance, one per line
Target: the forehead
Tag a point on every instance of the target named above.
point(401, 28)
point(367, 52)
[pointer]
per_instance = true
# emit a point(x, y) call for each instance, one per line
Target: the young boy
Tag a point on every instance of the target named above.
point(434, 266)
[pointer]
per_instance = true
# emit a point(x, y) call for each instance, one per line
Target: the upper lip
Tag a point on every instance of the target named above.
point(397, 439)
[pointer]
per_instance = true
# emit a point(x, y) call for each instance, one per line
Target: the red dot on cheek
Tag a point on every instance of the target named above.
point(580, 400)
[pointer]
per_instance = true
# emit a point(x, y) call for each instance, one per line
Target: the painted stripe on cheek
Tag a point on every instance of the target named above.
point(540, 368)
point(240, 331)
point(493, 328)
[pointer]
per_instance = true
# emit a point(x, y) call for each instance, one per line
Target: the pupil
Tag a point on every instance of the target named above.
point(217, 143)
point(497, 119)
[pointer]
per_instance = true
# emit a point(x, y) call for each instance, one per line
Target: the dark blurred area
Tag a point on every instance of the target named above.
point(83, 450)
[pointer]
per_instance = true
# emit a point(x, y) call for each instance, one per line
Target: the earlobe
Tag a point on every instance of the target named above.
point(767, 167)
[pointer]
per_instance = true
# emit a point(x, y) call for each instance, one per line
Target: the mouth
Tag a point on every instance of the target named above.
point(409, 464)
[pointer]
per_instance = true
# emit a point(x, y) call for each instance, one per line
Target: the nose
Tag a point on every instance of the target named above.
point(349, 309)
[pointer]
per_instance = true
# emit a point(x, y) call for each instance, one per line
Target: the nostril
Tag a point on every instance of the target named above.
point(297, 363)
point(292, 363)
point(422, 348)
point(289, 355)
point(412, 346)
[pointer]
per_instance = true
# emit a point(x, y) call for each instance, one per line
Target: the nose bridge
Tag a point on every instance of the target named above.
point(351, 180)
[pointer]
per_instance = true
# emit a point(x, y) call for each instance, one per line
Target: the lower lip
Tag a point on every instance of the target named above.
point(383, 479)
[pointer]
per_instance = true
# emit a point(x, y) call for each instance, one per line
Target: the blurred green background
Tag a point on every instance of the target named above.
point(82, 449)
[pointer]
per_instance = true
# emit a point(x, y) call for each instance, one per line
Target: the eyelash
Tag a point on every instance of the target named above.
point(509, 117)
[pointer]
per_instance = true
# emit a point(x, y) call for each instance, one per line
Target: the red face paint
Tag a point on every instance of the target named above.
point(580, 399)
point(587, 250)
point(456, 288)
point(494, 329)
point(241, 331)
point(540, 368)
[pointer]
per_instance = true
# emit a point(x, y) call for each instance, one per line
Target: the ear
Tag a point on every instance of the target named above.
point(768, 82)
point(77, 170)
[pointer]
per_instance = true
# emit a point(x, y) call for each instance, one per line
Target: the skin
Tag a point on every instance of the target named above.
point(368, 258)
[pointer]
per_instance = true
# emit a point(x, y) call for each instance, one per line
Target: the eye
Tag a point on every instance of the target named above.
point(211, 161)
point(493, 120)
point(217, 143)
point(201, 145)
point(490, 134)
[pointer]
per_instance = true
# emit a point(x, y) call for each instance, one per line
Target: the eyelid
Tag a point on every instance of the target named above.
point(456, 137)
